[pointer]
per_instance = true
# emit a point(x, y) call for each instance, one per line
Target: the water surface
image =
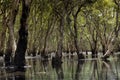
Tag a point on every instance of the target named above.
point(70, 69)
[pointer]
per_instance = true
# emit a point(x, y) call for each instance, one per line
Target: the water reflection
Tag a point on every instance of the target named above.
point(103, 70)
point(95, 70)
point(78, 69)
point(70, 69)
point(59, 71)
point(45, 65)
point(20, 76)
point(13, 76)
point(108, 70)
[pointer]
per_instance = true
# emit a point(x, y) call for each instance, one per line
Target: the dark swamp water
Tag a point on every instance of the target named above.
point(70, 69)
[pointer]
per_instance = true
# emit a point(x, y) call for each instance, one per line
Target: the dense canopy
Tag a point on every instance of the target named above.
point(39, 27)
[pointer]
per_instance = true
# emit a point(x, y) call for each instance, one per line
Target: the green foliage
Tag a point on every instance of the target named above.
point(95, 18)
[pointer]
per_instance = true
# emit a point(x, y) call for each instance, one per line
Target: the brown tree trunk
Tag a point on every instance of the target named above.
point(11, 46)
point(44, 54)
point(116, 32)
point(70, 41)
point(3, 36)
point(57, 60)
point(60, 42)
point(19, 59)
point(94, 49)
point(80, 65)
point(80, 55)
point(104, 49)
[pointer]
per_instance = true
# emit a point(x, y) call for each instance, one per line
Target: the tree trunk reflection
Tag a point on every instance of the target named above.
point(59, 71)
point(78, 70)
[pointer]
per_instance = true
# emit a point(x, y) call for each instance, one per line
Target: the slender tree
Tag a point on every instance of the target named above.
point(11, 45)
point(114, 34)
point(80, 55)
point(3, 35)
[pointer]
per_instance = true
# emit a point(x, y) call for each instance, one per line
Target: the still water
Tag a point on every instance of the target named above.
point(70, 69)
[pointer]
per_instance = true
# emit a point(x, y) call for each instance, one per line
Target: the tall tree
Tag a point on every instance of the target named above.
point(19, 59)
point(114, 34)
point(80, 55)
point(11, 46)
point(48, 31)
point(3, 34)
point(59, 11)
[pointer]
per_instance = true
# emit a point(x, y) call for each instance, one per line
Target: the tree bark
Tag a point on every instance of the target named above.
point(3, 36)
point(94, 47)
point(11, 46)
point(19, 59)
point(115, 34)
point(103, 49)
point(44, 54)
point(57, 60)
point(80, 55)
point(60, 42)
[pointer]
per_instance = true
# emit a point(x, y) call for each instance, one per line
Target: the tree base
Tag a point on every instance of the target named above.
point(19, 68)
point(105, 58)
point(80, 56)
point(56, 62)
point(94, 55)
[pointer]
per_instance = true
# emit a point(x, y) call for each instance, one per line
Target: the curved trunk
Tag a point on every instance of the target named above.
point(115, 35)
point(3, 36)
point(11, 46)
point(110, 48)
point(11, 40)
point(80, 55)
point(44, 54)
